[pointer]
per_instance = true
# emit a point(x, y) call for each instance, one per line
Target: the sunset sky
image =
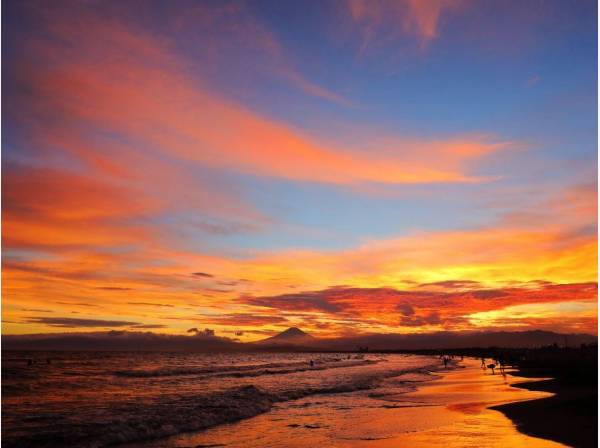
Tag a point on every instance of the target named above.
point(341, 166)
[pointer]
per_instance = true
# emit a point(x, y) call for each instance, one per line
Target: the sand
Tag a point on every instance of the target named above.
point(451, 411)
point(570, 416)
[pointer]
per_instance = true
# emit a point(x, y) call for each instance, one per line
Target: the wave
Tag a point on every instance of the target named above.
point(136, 422)
point(246, 371)
point(151, 421)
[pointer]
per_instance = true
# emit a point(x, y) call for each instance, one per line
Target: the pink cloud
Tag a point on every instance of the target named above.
point(385, 19)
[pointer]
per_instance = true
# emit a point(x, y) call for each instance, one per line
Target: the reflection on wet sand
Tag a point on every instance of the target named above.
point(450, 412)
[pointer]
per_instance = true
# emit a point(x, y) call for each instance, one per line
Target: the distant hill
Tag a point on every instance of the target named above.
point(449, 340)
point(120, 341)
point(291, 336)
point(292, 339)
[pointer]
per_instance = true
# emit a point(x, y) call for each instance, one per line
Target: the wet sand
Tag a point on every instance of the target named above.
point(570, 416)
point(451, 411)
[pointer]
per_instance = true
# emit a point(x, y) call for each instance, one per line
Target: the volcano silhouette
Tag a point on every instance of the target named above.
point(291, 336)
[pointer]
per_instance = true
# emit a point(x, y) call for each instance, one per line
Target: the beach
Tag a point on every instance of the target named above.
point(452, 410)
point(570, 415)
point(170, 400)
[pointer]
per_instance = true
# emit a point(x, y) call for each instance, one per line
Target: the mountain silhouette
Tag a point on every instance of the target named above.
point(291, 336)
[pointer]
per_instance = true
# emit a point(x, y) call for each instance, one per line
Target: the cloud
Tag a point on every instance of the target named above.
point(304, 301)
point(232, 38)
point(202, 274)
point(405, 309)
point(164, 113)
point(387, 20)
point(452, 284)
point(69, 322)
point(225, 228)
point(314, 89)
point(78, 304)
point(46, 207)
point(113, 288)
point(489, 255)
point(151, 304)
point(574, 205)
point(206, 333)
point(245, 319)
point(488, 293)
point(432, 318)
point(449, 310)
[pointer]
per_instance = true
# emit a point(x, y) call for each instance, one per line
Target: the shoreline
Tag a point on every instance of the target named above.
point(454, 410)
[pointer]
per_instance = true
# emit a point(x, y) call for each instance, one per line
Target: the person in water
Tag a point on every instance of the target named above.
point(445, 362)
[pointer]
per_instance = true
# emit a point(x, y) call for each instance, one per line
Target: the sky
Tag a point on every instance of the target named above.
point(346, 167)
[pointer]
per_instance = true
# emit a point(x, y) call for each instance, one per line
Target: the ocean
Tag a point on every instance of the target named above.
point(96, 399)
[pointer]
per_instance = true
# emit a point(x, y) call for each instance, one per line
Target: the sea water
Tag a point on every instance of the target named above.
point(95, 399)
